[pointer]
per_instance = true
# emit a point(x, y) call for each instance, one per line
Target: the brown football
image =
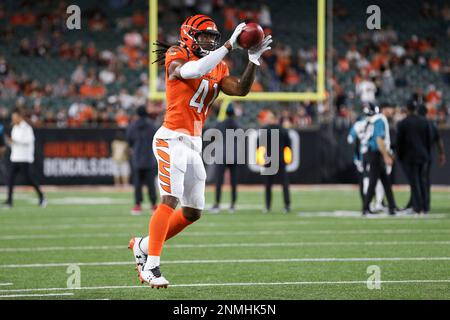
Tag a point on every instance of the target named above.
point(251, 36)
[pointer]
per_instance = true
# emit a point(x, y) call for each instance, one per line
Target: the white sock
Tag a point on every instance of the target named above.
point(143, 245)
point(365, 185)
point(152, 262)
point(379, 194)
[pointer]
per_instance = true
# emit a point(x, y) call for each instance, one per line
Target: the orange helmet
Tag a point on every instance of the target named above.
point(195, 26)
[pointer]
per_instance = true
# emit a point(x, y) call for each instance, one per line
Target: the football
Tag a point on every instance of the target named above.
point(251, 36)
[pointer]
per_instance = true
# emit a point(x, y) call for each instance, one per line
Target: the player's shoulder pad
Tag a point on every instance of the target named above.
point(178, 51)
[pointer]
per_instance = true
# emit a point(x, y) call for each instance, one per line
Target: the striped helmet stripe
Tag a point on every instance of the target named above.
point(203, 21)
point(200, 16)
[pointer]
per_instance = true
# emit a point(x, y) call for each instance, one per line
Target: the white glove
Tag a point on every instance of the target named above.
point(235, 35)
point(256, 53)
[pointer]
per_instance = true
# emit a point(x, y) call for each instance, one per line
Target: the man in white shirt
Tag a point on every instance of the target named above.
point(22, 156)
point(366, 90)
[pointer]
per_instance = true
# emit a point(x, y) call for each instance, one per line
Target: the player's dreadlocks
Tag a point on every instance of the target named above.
point(161, 49)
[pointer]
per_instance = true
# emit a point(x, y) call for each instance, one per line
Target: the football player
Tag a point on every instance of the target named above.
point(195, 73)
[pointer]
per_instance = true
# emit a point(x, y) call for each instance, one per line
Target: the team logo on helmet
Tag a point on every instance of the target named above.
point(199, 33)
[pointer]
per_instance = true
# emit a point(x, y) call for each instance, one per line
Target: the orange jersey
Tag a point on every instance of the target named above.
point(189, 100)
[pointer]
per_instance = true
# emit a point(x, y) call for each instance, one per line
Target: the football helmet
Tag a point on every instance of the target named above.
point(199, 33)
point(370, 109)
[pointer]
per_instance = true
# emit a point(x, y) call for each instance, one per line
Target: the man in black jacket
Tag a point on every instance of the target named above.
point(231, 124)
point(270, 123)
point(414, 143)
point(435, 140)
point(140, 136)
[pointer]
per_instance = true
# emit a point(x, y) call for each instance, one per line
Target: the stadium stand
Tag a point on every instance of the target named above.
point(83, 77)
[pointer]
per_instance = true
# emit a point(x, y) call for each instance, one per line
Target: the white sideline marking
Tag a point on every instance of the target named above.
point(74, 225)
point(6, 284)
point(226, 205)
point(31, 249)
point(136, 226)
point(228, 233)
point(234, 245)
point(230, 284)
point(88, 201)
point(36, 295)
point(63, 236)
point(357, 214)
point(119, 263)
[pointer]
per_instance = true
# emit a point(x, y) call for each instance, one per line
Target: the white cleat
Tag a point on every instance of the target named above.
point(139, 255)
point(214, 210)
point(154, 278)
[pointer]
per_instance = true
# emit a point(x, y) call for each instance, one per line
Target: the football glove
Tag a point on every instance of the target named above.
point(256, 53)
point(235, 35)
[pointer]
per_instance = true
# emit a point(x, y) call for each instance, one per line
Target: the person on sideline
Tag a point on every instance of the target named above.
point(140, 136)
point(229, 123)
point(121, 165)
point(22, 157)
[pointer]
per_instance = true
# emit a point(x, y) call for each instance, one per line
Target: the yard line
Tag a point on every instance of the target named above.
point(119, 263)
point(133, 224)
point(36, 295)
point(72, 226)
point(232, 245)
point(6, 284)
point(231, 284)
point(231, 233)
point(62, 236)
point(62, 248)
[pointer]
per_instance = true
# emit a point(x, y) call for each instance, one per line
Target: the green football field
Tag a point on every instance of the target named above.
point(323, 249)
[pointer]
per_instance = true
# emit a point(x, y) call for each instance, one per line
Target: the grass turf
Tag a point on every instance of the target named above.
point(246, 255)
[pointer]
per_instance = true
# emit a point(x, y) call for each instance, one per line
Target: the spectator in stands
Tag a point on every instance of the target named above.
point(126, 100)
point(353, 54)
point(302, 119)
point(97, 21)
point(387, 79)
point(60, 89)
point(366, 89)
point(265, 19)
point(61, 118)
point(25, 47)
point(121, 119)
point(79, 75)
point(3, 66)
point(107, 76)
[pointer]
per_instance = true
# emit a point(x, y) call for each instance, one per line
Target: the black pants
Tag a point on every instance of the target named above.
point(418, 177)
point(220, 173)
point(377, 170)
point(144, 177)
point(270, 180)
point(27, 170)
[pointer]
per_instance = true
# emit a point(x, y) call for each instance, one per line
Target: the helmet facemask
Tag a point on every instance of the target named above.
point(206, 41)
